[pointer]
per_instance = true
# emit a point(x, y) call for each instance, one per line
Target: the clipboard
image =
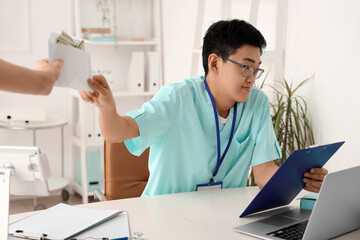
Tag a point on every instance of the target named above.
point(287, 182)
point(115, 228)
point(61, 222)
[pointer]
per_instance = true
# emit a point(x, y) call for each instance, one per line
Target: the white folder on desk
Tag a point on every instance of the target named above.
point(62, 221)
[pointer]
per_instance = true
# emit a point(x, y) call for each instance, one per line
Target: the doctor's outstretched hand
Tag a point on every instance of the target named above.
point(314, 179)
point(114, 127)
point(101, 96)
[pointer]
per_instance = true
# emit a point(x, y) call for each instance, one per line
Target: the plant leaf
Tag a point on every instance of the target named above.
point(302, 83)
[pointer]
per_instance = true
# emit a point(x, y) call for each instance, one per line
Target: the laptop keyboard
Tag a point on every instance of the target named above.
point(293, 232)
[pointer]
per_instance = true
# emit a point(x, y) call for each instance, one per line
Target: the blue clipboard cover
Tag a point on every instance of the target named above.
point(287, 181)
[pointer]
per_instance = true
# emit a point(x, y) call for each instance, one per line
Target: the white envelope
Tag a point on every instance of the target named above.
point(77, 65)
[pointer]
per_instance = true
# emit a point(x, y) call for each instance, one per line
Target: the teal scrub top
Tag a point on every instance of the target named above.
point(179, 127)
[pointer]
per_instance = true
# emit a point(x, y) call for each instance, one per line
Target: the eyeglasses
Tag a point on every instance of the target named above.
point(246, 69)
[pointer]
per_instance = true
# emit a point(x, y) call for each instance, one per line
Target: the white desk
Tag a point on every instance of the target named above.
point(194, 215)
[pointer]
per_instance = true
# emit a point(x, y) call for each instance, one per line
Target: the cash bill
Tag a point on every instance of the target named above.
point(67, 40)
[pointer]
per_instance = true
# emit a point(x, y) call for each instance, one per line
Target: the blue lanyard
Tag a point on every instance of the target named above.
point(220, 159)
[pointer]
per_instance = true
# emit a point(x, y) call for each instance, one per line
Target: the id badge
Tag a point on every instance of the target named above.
point(208, 186)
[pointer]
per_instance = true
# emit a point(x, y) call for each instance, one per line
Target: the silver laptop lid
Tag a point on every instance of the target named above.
point(4, 202)
point(337, 210)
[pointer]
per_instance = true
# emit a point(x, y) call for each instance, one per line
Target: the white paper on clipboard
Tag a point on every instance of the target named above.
point(77, 64)
point(117, 227)
point(63, 221)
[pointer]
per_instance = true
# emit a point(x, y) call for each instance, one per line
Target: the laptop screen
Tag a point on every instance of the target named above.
point(4, 202)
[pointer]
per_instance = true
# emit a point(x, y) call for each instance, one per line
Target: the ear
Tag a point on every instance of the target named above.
point(213, 63)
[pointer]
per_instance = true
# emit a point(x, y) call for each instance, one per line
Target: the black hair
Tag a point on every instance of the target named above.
point(225, 37)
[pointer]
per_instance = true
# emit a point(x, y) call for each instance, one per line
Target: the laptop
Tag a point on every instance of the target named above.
point(336, 212)
point(4, 202)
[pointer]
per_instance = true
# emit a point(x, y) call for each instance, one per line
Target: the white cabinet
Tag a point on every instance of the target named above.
point(127, 51)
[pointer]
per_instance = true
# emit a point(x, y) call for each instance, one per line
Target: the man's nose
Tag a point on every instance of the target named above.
point(251, 79)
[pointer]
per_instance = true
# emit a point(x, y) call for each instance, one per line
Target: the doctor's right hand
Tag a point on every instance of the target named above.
point(102, 96)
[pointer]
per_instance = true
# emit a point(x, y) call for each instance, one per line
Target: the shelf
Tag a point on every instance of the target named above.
point(76, 140)
point(77, 188)
point(129, 94)
point(115, 56)
point(267, 54)
point(125, 43)
point(74, 93)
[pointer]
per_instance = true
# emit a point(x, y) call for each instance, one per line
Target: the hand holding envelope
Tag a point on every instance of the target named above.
point(101, 96)
point(77, 64)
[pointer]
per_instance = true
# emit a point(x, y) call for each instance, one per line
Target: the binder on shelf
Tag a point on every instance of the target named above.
point(74, 220)
point(93, 168)
point(153, 60)
point(136, 79)
point(98, 134)
point(89, 124)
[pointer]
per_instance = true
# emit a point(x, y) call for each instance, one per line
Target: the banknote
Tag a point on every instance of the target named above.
point(67, 40)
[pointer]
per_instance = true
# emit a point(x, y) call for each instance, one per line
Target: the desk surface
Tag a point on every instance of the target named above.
point(194, 215)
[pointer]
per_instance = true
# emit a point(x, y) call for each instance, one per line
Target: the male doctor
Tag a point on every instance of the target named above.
point(204, 131)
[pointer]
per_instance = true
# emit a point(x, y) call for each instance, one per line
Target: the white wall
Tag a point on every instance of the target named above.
point(179, 18)
point(324, 37)
point(178, 37)
point(37, 19)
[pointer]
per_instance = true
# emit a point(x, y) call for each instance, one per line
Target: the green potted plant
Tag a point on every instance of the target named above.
point(103, 7)
point(289, 116)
